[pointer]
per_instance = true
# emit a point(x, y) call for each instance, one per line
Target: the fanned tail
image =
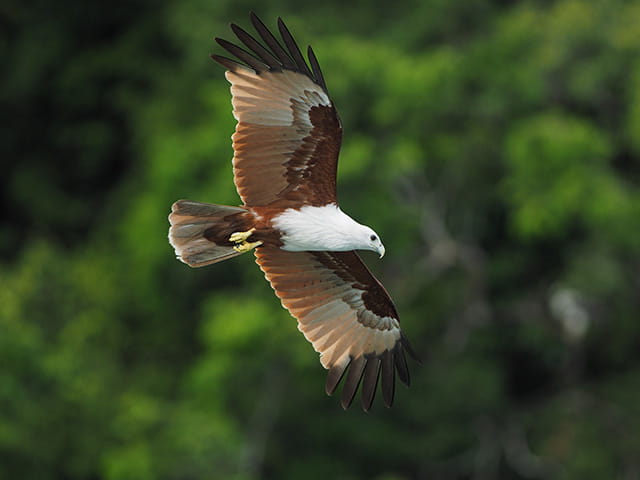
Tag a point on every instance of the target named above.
point(200, 232)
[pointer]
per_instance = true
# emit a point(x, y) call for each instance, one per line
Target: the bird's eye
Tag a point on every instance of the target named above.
point(373, 238)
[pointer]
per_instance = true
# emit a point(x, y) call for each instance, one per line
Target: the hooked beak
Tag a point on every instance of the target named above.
point(381, 250)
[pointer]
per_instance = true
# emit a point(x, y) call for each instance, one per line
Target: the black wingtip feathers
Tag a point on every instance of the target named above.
point(271, 55)
point(369, 372)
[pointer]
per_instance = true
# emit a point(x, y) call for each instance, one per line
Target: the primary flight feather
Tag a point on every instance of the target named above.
point(286, 147)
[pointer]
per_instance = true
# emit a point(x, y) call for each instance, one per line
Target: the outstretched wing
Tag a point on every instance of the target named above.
point(346, 314)
point(288, 135)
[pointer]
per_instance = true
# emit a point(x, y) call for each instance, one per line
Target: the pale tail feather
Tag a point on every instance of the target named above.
point(190, 221)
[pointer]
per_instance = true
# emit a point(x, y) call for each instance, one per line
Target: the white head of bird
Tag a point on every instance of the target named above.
point(325, 228)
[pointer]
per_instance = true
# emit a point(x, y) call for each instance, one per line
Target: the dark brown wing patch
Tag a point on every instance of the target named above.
point(312, 168)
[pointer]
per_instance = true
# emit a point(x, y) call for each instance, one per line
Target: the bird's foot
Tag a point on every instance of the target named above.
point(241, 237)
point(240, 240)
point(246, 246)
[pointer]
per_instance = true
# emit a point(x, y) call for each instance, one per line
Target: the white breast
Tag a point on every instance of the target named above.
point(325, 228)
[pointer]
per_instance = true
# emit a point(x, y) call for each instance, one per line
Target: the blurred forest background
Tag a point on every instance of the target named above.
point(494, 145)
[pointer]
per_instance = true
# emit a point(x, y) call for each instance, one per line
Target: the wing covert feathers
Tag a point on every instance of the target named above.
point(288, 135)
point(347, 316)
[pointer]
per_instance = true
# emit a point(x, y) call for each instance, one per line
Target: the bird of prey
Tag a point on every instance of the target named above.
point(286, 147)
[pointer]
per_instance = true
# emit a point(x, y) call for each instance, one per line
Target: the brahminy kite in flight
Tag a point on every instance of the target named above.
point(286, 146)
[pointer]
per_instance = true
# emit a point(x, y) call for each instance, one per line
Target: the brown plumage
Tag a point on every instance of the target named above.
point(286, 147)
point(345, 313)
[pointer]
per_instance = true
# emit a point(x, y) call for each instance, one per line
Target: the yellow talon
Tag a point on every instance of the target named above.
point(241, 237)
point(246, 246)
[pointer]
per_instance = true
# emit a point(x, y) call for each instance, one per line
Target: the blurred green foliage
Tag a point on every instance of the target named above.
point(494, 145)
